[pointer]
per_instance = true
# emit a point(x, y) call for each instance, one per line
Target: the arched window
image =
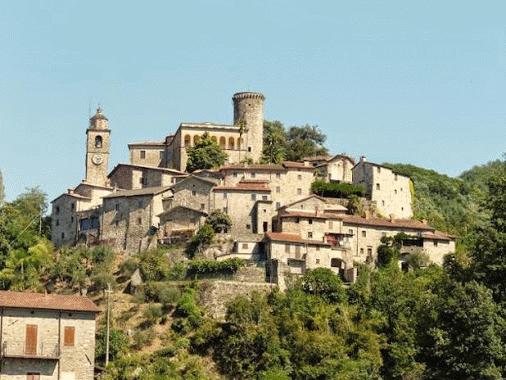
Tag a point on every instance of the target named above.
point(196, 138)
point(231, 143)
point(98, 142)
point(187, 140)
point(214, 139)
point(223, 142)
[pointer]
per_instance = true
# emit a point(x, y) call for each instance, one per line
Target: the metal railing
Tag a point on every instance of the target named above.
point(20, 350)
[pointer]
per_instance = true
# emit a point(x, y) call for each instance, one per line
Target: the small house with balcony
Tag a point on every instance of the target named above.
point(46, 336)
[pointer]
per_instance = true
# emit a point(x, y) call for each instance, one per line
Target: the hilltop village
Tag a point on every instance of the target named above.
point(276, 220)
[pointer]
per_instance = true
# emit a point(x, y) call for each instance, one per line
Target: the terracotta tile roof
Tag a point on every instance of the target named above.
point(298, 165)
point(135, 166)
point(272, 167)
point(317, 158)
point(437, 235)
point(73, 195)
point(46, 301)
point(313, 215)
point(136, 192)
point(292, 238)
point(395, 223)
point(147, 143)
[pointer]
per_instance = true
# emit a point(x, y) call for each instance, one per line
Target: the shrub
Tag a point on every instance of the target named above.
point(143, 338)
point(152, 312)
point(336, 190)
point(169, 295)
point(219, 221)
point(153, 265)
point(177, 272)
point(200, 241)
point(118, 343)
point(200, 268)
point(324, 283)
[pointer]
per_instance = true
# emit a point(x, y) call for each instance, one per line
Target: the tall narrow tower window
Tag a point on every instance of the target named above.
point(98, 142)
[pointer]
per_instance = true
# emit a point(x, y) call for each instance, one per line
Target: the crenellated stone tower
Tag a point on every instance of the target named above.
point(97, 149)
point(249, 114)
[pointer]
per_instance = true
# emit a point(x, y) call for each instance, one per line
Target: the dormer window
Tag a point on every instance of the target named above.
point(98, 142)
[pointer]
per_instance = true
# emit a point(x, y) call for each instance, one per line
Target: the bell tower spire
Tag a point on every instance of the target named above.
point(97, 149)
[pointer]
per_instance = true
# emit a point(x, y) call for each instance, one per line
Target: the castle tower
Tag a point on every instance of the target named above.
point(97, 149)
point(249, 113)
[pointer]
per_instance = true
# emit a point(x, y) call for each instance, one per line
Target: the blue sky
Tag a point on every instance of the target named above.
point(420, 83)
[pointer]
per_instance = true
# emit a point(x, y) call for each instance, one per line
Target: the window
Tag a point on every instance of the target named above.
point(225, 209)
point(278, 205)
point(139, 220)
point(202, 206)
point(31, 340)
point(369, 251)
point(234, 174)
point(68, 336)
point(435, 243)
point(187, 141)
point(317, 261)
point(117, 206)
point(395, 191)
point(402, 208)
point(278, 189)
point(361, 251)
point(248, 226)
point(57, 210)
point(194, 193)
point(253, 197)
point(378, 169)
point(244, 245)
point(98, 142)
point(299, 191)
point(278, 175)
point(249, 149)
point(72, 219)
point(383, 203)
point(310, 221)
point(32, 376)
point(377, 186)
point(63, 235)
point(317, 247)
point(142, 154)
point(364, 234)
point(401, 189)
point(139, 203)
point(253, 175)
point(395, 177)
point(299, 176)
point(350, 232)
point(309, 235)
point(264, 197)
point(287, 248)
point(116, 223)
point(57, 222)
point(72, 206)
point(297, 251)
point(225, 195)
point(297, 220)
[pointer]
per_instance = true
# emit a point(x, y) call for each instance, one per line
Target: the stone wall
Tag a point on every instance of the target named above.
point(76, 362)
point(214, 295)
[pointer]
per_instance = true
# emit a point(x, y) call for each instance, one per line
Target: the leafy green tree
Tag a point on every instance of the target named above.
point(304, 141)
point(460, 334)
point(205, 154)
point(219, 221)
point(201, 240)
point(324, 283)
point(337, 190)
point(274, 150)
point(118, 344)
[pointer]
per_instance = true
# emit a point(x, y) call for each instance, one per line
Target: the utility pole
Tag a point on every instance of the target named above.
point(108, 292)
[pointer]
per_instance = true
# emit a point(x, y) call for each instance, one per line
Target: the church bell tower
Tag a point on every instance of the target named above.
point(97, 149)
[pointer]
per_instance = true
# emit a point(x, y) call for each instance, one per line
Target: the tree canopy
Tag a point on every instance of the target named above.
point(205, 154)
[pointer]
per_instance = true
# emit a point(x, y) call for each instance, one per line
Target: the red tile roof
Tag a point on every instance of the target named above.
point(395, 223)
point(252, 167)
point(22, 300)
point(245, 186)
point(147, 143)
point(292, 238)
point(313, 215)
point(437, 235)
point(298, 165)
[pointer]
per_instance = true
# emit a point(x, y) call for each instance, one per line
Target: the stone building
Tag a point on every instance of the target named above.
point(135, 176)
point(241, 140)
point(390, 191)
point(336, 169)
point(47, 336)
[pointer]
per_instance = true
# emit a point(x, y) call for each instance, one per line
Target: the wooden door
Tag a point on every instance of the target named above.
point(31, 340)
point(33, 376)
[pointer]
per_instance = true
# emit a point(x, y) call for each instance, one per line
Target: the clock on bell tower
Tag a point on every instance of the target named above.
point(97, 149)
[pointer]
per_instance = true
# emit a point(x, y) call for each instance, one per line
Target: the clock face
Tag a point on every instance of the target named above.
point(97, 159)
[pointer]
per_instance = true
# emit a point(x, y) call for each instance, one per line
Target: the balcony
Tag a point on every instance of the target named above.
point(18, 350)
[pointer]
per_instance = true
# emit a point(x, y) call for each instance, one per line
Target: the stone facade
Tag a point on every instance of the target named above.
point(97, 149)
point(131, 177)
point(336, 168)
point(390, 191)
point(53, 343)
point(148, 153)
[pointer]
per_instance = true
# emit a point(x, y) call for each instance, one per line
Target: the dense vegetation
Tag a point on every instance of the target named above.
point(292, 144)
point(205, 154)
point(336, 190)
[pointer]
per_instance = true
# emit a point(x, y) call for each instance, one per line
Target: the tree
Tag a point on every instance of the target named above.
point(219, 221)
point(304, 142)
point(205, 154)
point(2, 190)
point(273, 151)
point(324, 283)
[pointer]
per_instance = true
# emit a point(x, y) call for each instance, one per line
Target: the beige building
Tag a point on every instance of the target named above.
point(47, 336)
point(133, 176)
point(332, 168)
point(241, 140)
point(390, 191)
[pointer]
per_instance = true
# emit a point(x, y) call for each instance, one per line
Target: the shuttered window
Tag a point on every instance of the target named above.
point(31, 340)
point(68, 336)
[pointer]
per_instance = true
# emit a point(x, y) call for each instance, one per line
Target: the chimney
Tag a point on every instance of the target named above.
point(71, 190)
point(306, 163)
point(367, 214)
point(392, 218)
point(363, 159)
